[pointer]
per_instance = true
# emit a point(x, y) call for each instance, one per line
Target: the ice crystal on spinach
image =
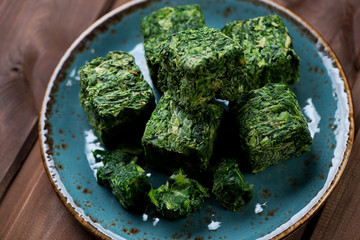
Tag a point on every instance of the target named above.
point(179, 197)
point(229, 185)
point(175, 138)
point(115, 156)
point(116, 98)
point(156, 26)
point(272, 126)
point(198, 65)
point(268, 50)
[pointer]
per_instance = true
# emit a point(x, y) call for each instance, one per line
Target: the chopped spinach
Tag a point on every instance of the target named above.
point(198, 65)
point(268, 51)
point(175, 138)
point(110, 160)
point(128, 182)
point(249, 62)
point(156, 26)
point(179, 197)
point(229, 185)
point(271, 126)
point(116, 98)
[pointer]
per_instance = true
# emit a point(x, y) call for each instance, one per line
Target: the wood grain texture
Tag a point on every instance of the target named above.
point(34, 36)
point(118, 3)
point(31, 209)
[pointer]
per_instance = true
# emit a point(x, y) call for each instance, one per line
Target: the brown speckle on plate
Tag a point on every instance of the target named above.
point(272, 212)
point(306, 163)
point(134, 230)
point(266, 193)
point(315, 157)
point(210, 211)
point(332, 126)
point(87, 191)
point(176, 236)
point(292, 181)
point(207, 220)
point(227, 12)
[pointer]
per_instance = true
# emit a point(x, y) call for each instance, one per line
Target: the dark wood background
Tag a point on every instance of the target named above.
point(34, 34)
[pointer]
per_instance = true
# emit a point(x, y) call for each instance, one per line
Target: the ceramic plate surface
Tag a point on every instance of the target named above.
point(285, 196)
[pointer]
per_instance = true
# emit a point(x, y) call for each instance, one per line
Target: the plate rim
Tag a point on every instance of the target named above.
point(90, 225)
point(351, 129)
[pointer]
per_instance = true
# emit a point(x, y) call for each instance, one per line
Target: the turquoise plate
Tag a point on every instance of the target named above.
point(285, 196)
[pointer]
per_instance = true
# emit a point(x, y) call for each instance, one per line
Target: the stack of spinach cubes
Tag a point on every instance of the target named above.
point(249, 63)
point(179, 137)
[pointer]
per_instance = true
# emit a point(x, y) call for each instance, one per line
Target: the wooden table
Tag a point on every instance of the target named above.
point(33, 36)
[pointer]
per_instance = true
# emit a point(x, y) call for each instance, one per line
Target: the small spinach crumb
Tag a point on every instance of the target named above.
point(230, 187)
point(179, 197)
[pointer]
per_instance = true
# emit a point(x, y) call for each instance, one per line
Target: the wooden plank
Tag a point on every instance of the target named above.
point(31, 209)
point(355, 91)
point(34, 36)
point(12, 163)
point(17, 101)
point(118, 3)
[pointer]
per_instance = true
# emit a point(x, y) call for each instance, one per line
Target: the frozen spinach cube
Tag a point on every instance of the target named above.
point(128, 182)
point(268, 50)
point(198, 65)
point(175, 138)
point(156, 26)
point(179, 197)
point(130, 185)
point(229, 185)
point(116, 98)
point(110, 159)
point(271, 125)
